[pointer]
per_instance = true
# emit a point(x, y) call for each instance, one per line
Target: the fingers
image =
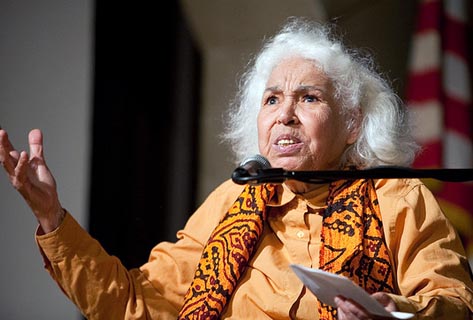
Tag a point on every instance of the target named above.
point(348, 309)
point(5, 145)
point(19, 176)
point(35, 139)
point(8, 156)
point(14, 162)
point(386, 301)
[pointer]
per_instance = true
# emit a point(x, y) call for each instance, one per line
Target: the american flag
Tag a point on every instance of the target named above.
point(439, 96)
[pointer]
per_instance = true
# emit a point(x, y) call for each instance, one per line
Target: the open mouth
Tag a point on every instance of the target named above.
point(285, 142)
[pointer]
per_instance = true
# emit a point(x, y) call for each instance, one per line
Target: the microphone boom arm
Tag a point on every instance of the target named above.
point(279, 175)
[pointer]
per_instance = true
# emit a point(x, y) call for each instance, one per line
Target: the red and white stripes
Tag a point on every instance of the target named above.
point(424, 93)
point(439, 96)
point(456, 86)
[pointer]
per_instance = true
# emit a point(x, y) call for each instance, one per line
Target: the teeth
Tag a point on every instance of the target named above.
point(285, 142)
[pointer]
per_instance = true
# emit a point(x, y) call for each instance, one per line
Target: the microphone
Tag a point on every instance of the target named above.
point(257, 169)
point(250, 167)
point(254, 163)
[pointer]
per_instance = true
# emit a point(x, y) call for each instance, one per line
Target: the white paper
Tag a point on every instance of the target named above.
point(326, 286)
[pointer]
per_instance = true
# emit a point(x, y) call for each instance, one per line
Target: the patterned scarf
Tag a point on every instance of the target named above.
point(352, 245)
point(226, 254)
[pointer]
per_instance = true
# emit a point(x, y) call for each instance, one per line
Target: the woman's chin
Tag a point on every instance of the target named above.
point(286, 164)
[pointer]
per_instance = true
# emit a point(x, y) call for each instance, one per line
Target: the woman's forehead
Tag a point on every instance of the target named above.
point(296, 72)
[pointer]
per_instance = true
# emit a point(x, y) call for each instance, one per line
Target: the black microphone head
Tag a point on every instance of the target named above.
point(249, 168)
point(256, 161)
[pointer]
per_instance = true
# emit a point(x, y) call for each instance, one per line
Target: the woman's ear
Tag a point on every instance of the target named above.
point(354, 125)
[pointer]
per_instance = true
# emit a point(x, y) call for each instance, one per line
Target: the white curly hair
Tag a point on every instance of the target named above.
point(385, 134)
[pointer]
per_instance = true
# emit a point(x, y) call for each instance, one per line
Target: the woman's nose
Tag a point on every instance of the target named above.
point(288, 114)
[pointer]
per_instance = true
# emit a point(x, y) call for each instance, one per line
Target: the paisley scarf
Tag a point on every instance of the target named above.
point(226, 254)
point(353, 245)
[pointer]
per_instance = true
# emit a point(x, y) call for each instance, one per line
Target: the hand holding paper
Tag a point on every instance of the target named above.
point(326, 286)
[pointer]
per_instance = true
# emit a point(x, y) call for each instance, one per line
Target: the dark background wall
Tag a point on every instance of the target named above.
point(145, 127)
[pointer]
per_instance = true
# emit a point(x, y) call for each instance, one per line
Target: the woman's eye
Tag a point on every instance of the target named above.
point(310, 98)
point(271, 100)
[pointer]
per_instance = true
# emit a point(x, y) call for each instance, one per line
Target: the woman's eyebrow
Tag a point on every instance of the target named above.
point(301, 88)
point(272, 89)
point(309, 88)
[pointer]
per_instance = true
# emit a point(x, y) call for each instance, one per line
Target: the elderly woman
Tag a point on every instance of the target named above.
point(306, 103)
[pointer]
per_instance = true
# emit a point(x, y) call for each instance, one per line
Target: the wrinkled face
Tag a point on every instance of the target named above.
point(300, 124)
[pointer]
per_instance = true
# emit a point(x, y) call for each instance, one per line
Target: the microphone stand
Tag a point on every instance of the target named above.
point(279, 175)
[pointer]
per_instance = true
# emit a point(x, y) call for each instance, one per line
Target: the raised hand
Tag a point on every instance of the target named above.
point(33, 179)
